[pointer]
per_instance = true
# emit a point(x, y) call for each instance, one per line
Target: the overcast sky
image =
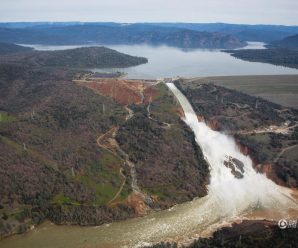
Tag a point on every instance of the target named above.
point(231, 11)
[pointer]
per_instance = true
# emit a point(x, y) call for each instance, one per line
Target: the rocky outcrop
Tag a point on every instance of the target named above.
point(236, 166)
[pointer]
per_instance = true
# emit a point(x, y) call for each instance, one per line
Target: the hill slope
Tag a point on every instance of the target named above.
point(119, 34)
point(59, 156)
point(290, 42)
point(8, 48)
point(275, 56)
point(86, 57)
point(264, 33)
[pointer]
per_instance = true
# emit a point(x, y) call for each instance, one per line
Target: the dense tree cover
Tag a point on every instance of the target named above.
point(169, 163)
point(278, 56)
point(8, 48)
point(51, 166)
point(85, 57)
point(290, 42)
point(264, 33)
point(295, 134)
point(49, 156)
point(251, 234)
point(245, 235)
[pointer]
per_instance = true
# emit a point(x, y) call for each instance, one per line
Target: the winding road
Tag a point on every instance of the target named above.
point(283, 151)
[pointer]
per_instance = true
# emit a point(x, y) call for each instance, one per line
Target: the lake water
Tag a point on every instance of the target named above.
point(165, 61)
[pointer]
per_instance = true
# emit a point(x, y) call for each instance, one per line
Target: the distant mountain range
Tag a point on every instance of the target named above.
point(263, 33)
point(113, 33)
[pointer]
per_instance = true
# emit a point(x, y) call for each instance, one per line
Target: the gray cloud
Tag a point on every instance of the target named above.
point(232, 11)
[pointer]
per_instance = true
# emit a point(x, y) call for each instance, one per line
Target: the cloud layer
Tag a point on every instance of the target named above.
point(231, 11)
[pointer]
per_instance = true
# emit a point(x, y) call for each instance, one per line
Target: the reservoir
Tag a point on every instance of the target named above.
point(165, 61)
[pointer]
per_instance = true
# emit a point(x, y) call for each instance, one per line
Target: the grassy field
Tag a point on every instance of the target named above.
point(281, 89)
point(6, 117)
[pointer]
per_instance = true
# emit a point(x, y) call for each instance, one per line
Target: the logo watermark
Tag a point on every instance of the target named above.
point(283, 224)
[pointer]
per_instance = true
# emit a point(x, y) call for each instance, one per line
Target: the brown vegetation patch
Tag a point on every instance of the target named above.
point(248, 152)
point(201, 118)
point(181, 112)
point(136, 201)
point(123, 91)
point(268, 170)
point(214, 124)
point(150, 94)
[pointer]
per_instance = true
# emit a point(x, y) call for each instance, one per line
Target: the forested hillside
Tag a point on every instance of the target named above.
point(85, 57)
point(8, 48)
point(278, 56)
point(57, 154)
point(263, 33)
point(290, 42)
point(101, 33)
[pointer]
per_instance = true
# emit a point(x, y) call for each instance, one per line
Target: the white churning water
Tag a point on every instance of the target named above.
point(232, 195)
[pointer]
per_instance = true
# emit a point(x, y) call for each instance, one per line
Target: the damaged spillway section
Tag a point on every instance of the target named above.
point(235, 187)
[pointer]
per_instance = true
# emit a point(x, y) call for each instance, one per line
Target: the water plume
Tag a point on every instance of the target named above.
point(235, 187)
